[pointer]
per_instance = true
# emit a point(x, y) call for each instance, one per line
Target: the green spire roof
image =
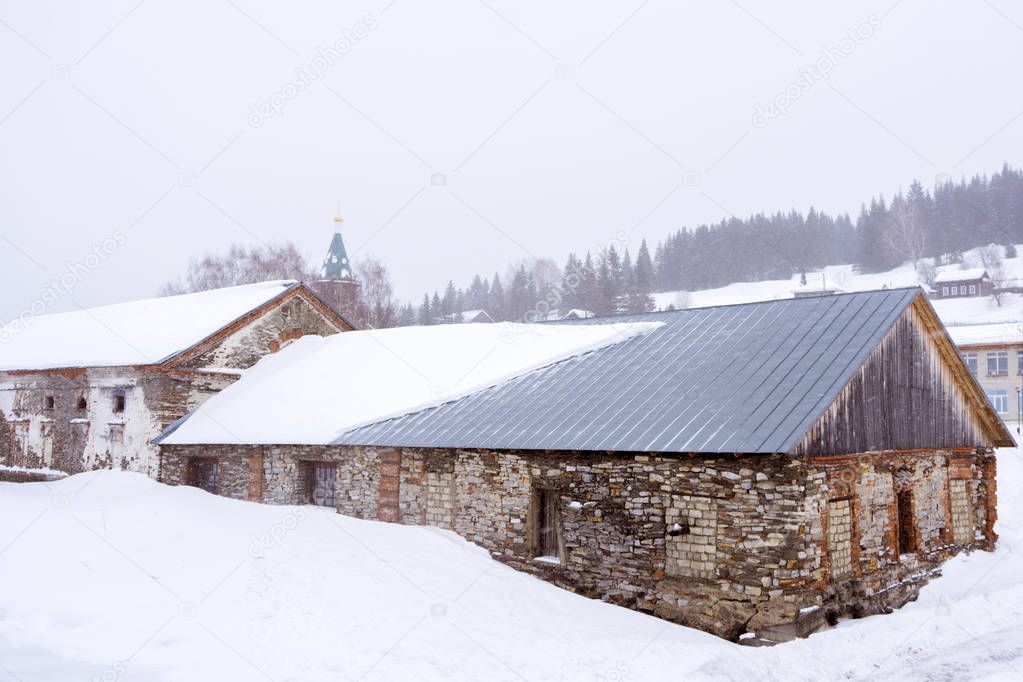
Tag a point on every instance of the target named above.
point(336, 265)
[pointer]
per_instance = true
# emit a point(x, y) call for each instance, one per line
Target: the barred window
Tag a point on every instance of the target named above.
point(321, 484)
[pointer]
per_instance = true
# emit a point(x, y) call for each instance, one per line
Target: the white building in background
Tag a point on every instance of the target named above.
point(994, 354)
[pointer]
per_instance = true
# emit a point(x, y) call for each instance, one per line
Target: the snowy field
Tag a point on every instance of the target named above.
point(111, 576)
point(952, 311)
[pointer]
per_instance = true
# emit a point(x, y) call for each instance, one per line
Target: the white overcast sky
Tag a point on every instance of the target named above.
point(556, 125)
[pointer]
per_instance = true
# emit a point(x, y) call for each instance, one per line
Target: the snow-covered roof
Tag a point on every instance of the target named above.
point(134, 333)
point(751, 378)
point(319, 387)
point(578, 314)
point(987, 334)
point(960, 275)
point(473, 315)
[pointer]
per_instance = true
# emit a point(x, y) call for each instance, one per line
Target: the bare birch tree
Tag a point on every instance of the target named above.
point(990, 258)
point(242, 265)
point(905, 233)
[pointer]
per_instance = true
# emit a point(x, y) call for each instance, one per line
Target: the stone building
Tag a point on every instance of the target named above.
point(90, 389)
point(756, 471)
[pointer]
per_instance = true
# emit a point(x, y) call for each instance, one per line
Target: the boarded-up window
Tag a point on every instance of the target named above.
point(202, 473)
point(321, 484)
point(962, 511)
point(19, 443)
point(116, 434)
point(439, 498)
point(46, 434)
point(691, 543)
point(840, 537)
point(907, 522)
point(548, 525)
point(389, 488)
point(79, 435)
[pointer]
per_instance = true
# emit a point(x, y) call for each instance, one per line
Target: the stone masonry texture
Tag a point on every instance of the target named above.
point(766, 544)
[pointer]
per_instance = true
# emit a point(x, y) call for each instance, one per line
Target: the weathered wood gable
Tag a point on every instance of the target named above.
point(912, 392)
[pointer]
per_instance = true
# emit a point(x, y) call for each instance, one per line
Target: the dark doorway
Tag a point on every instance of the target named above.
point(321, 484)
point(907, 525)
point(547, 525)
point(202, 473)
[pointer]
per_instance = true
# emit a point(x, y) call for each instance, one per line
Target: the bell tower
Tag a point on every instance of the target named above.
point(337, 285)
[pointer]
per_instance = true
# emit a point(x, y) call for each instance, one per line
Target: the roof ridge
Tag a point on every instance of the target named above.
point(733, 305)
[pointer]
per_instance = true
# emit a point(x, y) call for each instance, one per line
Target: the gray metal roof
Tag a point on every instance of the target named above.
point(747, 378)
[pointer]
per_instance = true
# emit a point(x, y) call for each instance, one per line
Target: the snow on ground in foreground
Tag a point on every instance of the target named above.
point(319, 387)
point(112, 576)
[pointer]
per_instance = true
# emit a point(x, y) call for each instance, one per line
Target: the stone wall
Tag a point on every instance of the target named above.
point(97, 418)
point(65, 419)
point(765, 544)
point(292, 319)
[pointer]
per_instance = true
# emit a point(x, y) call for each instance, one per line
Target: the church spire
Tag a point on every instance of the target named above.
point(336, 265)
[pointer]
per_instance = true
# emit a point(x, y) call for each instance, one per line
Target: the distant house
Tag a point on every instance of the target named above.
point(577, 314)
point(993, 353)
point(963, 283)
point(469, 316)
point(811, 291)
point(90, 389)
point(829, 473)
point(558, 315)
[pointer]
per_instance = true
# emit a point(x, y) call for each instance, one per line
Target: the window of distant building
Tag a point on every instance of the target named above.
point(999, 400)
point(971, 362)
point(50, 402)
point(82, 404)
point(1019, 362)
point(119, 403)
point(973, 289)
point(116, 434)
point(955, 291)
point(944, 291)
point(998, 363)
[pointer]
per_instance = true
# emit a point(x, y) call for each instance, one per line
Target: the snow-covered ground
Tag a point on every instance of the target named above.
point(112, 576)
point(844, 277)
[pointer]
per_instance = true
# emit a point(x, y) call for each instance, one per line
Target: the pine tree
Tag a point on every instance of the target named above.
point(498, 304)
point(437, 309)
point(425, 312)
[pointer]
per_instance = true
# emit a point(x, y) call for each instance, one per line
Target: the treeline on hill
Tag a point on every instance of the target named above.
point(917, 224)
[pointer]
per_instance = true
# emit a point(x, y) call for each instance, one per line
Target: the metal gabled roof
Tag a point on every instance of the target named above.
point(749, 378)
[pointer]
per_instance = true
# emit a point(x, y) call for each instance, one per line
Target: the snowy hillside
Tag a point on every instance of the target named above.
point(112, 576)
point(845, 278)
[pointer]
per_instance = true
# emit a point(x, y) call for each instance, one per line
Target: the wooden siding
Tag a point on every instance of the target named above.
point(912, 392)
